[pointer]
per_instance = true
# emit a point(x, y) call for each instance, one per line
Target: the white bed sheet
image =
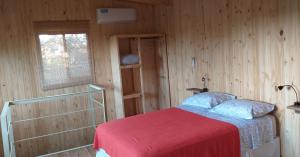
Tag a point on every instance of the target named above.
point(253, 133)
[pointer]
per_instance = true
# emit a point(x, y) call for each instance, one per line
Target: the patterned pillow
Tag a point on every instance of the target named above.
point(208, 99)
point(246, 109)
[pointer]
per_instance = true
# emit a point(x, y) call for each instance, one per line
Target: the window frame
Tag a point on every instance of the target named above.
point(62, 28)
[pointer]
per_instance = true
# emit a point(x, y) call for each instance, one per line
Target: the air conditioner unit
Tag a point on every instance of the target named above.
point(114, 15)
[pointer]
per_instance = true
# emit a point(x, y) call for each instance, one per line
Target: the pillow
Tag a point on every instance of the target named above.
point(208, 99)
point(245, 109)
point(130, 59)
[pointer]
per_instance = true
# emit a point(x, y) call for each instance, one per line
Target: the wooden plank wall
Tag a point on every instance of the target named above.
point(245, 47)
point(18, 65)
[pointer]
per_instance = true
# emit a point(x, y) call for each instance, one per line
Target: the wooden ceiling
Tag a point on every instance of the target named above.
point(152, 2)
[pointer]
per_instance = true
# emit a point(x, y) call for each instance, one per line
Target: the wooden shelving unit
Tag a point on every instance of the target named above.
point(141, 87)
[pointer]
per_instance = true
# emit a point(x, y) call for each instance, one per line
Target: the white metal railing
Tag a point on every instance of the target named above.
point(7, 123)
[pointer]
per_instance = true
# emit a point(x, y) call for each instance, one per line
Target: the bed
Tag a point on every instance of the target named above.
point(257, 137)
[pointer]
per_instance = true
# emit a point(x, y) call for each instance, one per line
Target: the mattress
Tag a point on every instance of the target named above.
point(253, 133)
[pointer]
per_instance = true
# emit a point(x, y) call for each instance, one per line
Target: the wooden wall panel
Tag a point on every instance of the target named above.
point(150, 75)
point(152, 2)
point(19, 77)
point(245, 47)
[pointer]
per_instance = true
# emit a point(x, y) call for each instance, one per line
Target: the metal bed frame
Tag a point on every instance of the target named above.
point(7, 123)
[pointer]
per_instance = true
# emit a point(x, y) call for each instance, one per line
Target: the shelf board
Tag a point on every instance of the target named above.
point(132, 66)
point(132, 96)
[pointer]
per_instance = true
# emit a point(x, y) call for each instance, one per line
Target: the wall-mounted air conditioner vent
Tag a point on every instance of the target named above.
point(113, 15)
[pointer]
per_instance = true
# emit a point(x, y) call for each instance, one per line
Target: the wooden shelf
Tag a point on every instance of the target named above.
point(197, 90)
point(132, 96)
point(132, 66)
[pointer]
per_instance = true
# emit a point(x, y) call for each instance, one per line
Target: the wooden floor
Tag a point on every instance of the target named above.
point(83, 152)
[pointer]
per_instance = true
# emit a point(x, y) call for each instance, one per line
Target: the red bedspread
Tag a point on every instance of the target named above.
point(168, 133)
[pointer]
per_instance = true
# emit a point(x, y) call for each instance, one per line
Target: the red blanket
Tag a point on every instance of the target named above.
point(168, 133)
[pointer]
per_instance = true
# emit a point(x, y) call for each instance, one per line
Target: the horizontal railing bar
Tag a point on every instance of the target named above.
point(96, 87)
point(67, 150)
point(57, 133)
point(51, 98)
point(55, 115)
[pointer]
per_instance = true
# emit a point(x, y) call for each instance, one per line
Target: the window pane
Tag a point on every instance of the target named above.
point(79, 62)
point(65, 59)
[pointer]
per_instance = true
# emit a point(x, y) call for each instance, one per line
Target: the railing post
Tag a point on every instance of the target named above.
point(11, 134)
point(4, 129)
point(91, 104)
point(104, 106)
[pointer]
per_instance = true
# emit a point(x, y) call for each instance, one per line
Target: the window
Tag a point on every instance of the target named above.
point(63, 54)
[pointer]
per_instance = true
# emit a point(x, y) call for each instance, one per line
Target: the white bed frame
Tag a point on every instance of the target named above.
point(271, 149)
point(7, 123)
